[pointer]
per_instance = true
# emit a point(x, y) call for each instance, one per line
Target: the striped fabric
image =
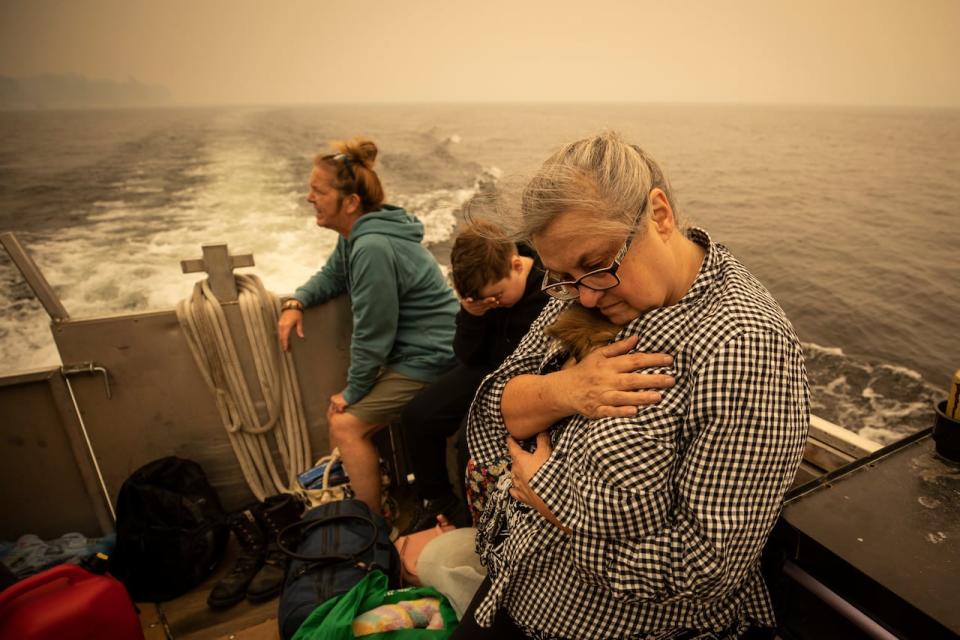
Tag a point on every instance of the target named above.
point(669, 510)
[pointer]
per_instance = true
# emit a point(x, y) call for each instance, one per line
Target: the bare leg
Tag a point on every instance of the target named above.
point(360, 457)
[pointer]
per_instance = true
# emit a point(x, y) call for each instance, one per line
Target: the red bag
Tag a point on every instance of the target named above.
point(67, 602)
point(409, 548)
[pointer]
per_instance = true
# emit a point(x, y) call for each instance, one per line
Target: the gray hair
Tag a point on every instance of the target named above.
point(602, 176)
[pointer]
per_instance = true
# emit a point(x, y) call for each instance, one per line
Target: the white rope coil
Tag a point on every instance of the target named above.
point(208, 335)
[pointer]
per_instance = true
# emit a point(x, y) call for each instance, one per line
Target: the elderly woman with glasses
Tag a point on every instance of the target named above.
point(403, 309)
point(647, 477)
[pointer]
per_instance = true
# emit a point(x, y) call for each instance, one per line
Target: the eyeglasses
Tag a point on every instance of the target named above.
point(597, 280)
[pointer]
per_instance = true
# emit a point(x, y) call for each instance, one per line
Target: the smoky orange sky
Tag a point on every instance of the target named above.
point(876, 52)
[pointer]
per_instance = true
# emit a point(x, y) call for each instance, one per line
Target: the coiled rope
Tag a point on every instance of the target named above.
point(208, 335)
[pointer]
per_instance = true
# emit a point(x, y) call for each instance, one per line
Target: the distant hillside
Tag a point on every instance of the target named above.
point(71, 90)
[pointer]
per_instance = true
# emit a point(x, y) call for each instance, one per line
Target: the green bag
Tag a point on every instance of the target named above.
point(333, 619)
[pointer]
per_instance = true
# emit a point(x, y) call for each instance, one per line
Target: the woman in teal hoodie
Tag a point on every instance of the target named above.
point(403, 309)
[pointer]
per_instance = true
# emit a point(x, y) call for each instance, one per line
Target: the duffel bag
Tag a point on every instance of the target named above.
point(331, 548)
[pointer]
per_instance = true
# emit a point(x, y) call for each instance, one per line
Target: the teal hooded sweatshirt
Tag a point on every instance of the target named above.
point(403, 309)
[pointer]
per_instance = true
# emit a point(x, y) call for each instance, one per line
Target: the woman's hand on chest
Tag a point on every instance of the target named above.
point(606, 383)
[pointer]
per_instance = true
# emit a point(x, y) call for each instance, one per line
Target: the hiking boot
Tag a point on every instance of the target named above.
point(233, 587)
point(274, 513)
point(425, 515)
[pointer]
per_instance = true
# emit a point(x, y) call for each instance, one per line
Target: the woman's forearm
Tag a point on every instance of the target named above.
point(531, 403)
point(606, 383)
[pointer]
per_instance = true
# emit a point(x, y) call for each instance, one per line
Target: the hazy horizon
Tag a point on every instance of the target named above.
point(888, 53)
point(492, 103)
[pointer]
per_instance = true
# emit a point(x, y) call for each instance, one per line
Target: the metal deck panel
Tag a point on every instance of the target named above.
point(896, 521)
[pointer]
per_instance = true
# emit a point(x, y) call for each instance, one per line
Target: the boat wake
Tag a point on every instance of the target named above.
point(881, 402)
point(127, 259)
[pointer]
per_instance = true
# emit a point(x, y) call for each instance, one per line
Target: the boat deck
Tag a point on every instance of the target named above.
point(189, 618)
point(883, 534)
point(129, 392)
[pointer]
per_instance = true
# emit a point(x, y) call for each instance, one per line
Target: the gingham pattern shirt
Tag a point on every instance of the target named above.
point(669, 510)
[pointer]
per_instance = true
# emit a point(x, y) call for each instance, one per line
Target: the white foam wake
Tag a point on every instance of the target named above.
point(128, 259)
point(882, 402)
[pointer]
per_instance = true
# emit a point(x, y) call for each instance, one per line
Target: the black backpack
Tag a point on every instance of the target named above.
point(171, 530)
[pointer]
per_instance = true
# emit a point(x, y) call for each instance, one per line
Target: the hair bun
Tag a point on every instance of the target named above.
point(360, 150)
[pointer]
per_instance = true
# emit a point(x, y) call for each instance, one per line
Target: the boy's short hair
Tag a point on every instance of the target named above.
point(481, 255)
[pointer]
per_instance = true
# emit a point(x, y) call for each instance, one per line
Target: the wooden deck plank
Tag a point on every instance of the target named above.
point(846, 440)
point(268, 630)
point(151, 622)
point(824, 456)
point(189, 618)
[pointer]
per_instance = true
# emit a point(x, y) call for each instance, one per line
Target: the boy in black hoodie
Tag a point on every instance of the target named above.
point(500, 297)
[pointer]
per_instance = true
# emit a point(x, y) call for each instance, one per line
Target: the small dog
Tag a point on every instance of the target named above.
point(581, 330)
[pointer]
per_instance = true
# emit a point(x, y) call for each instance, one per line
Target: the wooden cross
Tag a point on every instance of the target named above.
point(219, 265)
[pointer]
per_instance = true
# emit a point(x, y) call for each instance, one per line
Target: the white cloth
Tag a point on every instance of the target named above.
point(449, 563)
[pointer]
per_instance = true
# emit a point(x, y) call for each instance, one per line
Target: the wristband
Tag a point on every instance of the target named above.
point(291, 303)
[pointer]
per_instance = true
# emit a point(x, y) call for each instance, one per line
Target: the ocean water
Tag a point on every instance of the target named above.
point(851, 217)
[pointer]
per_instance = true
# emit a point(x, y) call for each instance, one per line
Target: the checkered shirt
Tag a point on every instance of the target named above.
point(669, 510)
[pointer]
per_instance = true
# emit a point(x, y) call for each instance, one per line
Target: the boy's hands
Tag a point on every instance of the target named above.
point(479, 307)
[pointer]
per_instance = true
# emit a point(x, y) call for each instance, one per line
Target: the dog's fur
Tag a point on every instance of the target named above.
point(581, 330)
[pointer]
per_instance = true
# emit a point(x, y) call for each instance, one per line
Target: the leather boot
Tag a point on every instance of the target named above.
point(233, 587)
point(274, 513)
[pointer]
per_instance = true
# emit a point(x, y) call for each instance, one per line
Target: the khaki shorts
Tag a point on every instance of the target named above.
point(390, 393)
